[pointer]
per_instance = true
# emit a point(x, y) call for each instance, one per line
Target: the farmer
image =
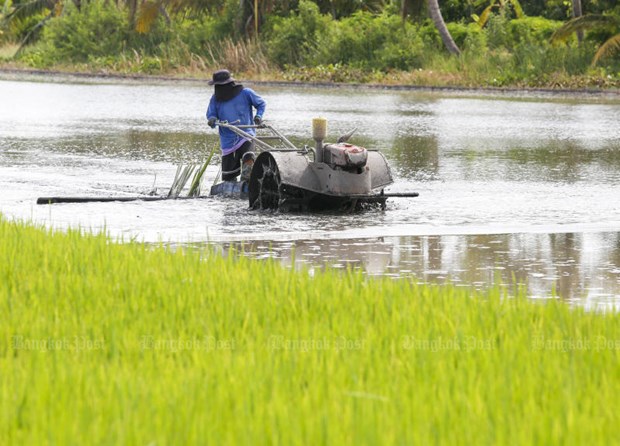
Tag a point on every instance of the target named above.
point(232, 102)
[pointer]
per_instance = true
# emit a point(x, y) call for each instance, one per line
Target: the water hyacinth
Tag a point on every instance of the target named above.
point(108, 343)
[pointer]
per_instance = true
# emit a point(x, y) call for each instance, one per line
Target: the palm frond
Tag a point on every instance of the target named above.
point(147, 16)
point(584, 23)
point(58, 8)
point(31, 8)
point(517, 8)
point(32, 32)
point(484, 17)
point(611, 46)
point(5, 7)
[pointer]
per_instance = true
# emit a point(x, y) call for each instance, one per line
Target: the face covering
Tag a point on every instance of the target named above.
point(227, 91)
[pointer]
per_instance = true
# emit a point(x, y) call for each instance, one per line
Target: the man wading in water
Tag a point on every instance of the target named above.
point(233, 103)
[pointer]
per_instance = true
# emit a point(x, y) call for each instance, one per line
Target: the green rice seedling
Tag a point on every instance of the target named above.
point(108, 343)
point(181, 177)
point(195, 188)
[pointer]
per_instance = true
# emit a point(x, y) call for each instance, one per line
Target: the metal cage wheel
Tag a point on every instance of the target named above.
point(265, 191)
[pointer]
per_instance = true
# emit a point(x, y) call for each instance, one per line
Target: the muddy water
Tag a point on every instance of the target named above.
point(525, 187)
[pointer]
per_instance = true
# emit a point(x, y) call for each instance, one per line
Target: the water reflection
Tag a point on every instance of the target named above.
point(416, 157)
point(419, 158)
point(579, 267)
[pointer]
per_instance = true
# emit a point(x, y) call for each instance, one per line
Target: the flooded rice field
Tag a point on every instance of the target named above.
point(524, 188)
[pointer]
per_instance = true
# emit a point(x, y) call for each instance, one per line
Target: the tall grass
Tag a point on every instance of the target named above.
point(105, 343)
point(244, 56)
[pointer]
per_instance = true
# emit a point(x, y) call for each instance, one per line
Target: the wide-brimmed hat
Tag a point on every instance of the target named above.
point(221, 77)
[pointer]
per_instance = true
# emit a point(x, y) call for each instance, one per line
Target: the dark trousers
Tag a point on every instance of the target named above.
point(231, 163)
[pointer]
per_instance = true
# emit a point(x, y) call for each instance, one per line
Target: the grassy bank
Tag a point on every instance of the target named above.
point(418, 79)
point(103, 343)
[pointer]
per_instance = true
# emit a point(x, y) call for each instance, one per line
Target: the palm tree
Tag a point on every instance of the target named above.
point(578, 13)
point(448, 41)
point(592, 21)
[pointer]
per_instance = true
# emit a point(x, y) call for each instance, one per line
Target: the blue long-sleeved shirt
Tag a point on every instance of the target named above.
point(237, 110)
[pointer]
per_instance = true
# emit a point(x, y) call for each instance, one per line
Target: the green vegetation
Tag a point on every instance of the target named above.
point(106, 343)
point(500, 42)
point(605, 23)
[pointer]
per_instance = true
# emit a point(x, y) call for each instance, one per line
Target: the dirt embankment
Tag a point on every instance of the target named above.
point(19, 74)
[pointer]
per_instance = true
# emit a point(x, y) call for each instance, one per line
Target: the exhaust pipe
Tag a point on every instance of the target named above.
point(319, 133)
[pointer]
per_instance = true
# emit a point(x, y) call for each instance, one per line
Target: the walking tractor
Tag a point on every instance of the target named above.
point(329, 176)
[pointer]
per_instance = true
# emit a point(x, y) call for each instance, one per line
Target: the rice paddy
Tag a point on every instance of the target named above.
point(109, 343)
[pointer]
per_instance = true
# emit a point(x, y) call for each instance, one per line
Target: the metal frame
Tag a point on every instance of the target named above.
point(260, 140)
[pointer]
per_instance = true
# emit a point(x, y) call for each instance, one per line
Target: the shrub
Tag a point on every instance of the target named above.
point(536, 60)
point(429, 35)
point(97, 30)
point(327, 73)
point(364, 40)
point(228, 23)
point(375, 42)
point(468, 36)
point(153, 43)
point(358, 39)
point(497, 31)
point(295, 39)
point(20, 28)
point(534, 30)
point(198, 33)
point(150, 65)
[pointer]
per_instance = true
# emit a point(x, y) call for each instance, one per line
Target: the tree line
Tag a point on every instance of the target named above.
point(355, 35)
